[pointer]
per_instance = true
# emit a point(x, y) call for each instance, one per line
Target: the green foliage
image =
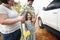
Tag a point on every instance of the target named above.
point(17, 7)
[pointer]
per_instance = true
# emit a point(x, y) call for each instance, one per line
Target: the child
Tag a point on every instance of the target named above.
point(29, 26)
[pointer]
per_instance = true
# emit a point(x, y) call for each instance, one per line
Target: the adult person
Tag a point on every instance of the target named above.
point(9, 21)
point(28, 8)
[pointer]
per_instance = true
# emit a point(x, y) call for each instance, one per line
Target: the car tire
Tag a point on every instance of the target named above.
point(40, 23)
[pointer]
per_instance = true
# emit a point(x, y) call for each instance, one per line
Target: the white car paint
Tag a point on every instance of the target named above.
point(51, 18)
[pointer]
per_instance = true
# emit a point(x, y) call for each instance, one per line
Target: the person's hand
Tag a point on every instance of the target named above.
point(36, 15)
point(20, 18)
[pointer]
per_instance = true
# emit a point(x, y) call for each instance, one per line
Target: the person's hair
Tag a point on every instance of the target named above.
point(31, 0)
point(27, 15)
point(5, 1)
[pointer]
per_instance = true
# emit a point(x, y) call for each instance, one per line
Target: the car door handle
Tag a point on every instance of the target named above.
point(55, 13)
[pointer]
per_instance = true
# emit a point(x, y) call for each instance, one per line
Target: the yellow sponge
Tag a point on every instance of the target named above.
point(26, 34)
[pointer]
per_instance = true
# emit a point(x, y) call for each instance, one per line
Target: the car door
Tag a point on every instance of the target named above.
point(50, 18)
point(59, 19)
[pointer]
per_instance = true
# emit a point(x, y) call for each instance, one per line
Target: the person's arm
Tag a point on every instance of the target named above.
point(6, 21)
point(23, 27)
point(22, 10)
point(34, 19)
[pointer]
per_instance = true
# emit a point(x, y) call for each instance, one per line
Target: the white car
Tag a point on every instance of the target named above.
point(50, 20)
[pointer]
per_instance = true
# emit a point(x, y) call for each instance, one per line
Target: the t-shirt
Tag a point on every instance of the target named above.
point(11, 14)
